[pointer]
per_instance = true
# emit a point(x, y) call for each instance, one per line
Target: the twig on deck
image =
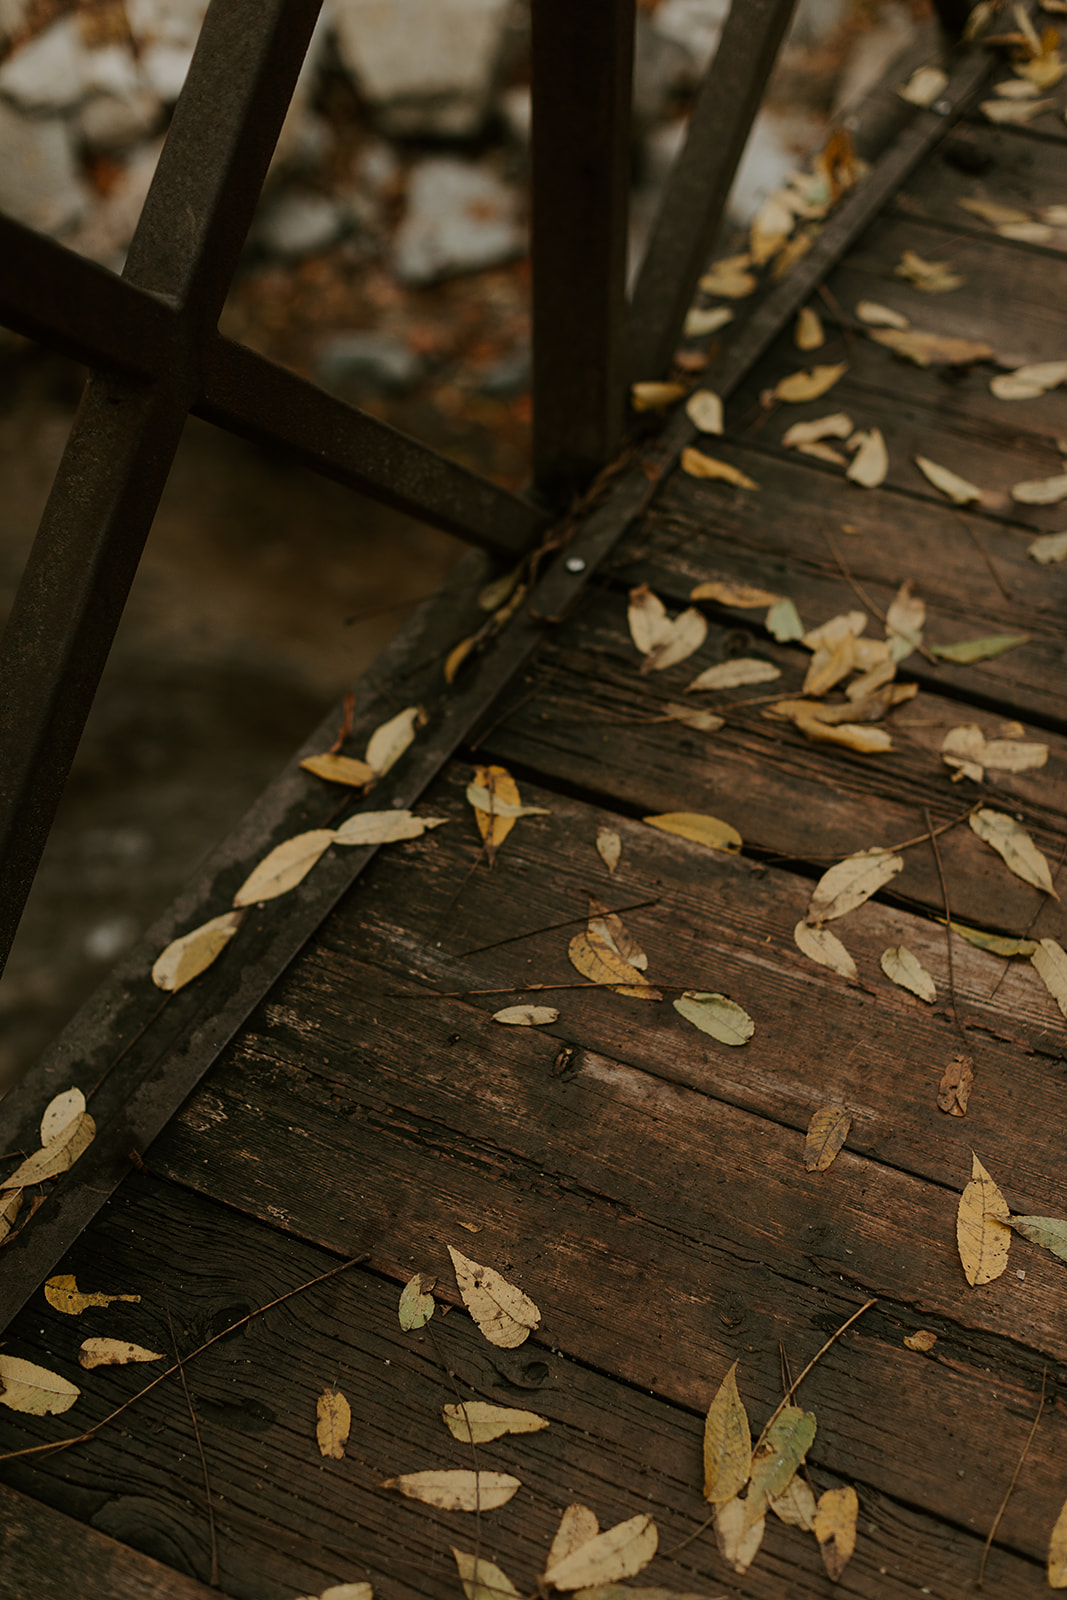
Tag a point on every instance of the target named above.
point(552, 927)
point(1014, 1479)
point(1037, 912)
point(348, 713)
point(214, 1579)
point(987, 558)
point(931, 835)
point(864, 598)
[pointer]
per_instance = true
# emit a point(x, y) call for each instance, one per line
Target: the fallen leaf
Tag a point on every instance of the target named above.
point(1050, 962)
point(966, 746)
point(729, 279)
point(63, 1294)
point(773, 223)
point(865, 741)
point(1027, 383)
point(700, 829)
point(933, 277)
point(647, 618)
point(334, 1420)
point(846, 625)
point(826, 1135)
point(699, 323)
point(32, 1389)
point(932, 349)
point(809, 333)
point(788, 1441)
point(10, 1206)
point(476, 1421)
point(384, 827)
point(871, 461)
point(618, 1552)
point(344, 1591)
point(954, 1090)
point(922, 1339)
point(998, 944)
point(1055, 216)
point(57, 1156)
point(604, 924)
point(494, 794)
point(982, 1232)
point(783, 622)
point(63, 1109)
point(704, 410)
point(868, 683)
point(794, 251)
point(987, 649)
point(456, 1489)
point(576, 1527)
point(735, 674)
point(820, 945)
point(701, 721)
point(1057, 1552)
point(924, 86)
point(113, 1353)
point(835, 1528)
point(595, 959)
point(1015, 846)
point(907, 971)
point(712, 1013)
point(1048, 548)
point(838, 425)
point(698, 465)
point(1014, 111)
point(795, 1506)
point(186, 957)
point(388, 743)
point(284, 867)
point(727, 1443)
point(949, 483)
point(904, 622)
point(609, 847)
point(417, 1304)
point(526, 1016)
point(458, 655)
point(340, 769)
point(652, 396)
point(876, 316)
point(482, 1579)
point(801, 386)
point(683, 638)
point(851, 882)
point(993, 212)
point(503, 1313)
point(738, 1541)
point(745, 596)
point(1049, 1232)
point(499, 590)
point(1041, 491)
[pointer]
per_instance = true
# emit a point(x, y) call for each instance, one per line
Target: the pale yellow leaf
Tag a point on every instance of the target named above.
point(647, 618)
point(949, 483)
point(1050, 547)
point(417, 1304)
point(820, 945)
point(482, 1579)
point(933, 349)
point(876, 316)
point(576, 1527)
point(738, 1542)
point(56, 1156)
point(26, 1387)
point(993, 212)
point(113, 1353)
point(1026, 232)
point(869, 682)
point(729, 278)
point(653, 396)
point(1027, 383)
point(794, 251)
point(1055, 216)
point(388, 743)
point(933, 277)
point(982, 1232)
point(1016, 89)
point(186, 957)
point(835, 1528)
point(526, 1016)
point(698, 465)
point(771, 227)
point(684, 637)
point(604, 924)
point(63, 1294)
point(10, 1206)
point(499, 590)
point(783, 622)
point(823, 452)
point(346, 1591)
point(384, 827)
point(924, 86)
point(851, 882)
point(967, 749)
point(704, 410)
point(1015, 846)
point(1050, 962)
point(801, 386)
point(701, 721)
point(836, 426)
point(865, 741)
point(457, 656)
point(609, 847)
point(922, 1340)
point(62, 1109)
point(494, 825)
point(745, 596)
point(477, 1422)
point(1057, 1552)
point(701, 829)
point(1041, 491)
point(618, 1552)
point(699, 323)
point(333, 1423)
point(827, 1132)
point(594, 958)
point(340, 769)
point(808, 334)
point(727, 1443)
point(904, 622)
point(504, 1314)
point(492, 804)
point(284, 867)
point(735, 674)
point(907, 971)
point(828, 665)
point(714, 1014)
point(847, 624)
point(456, 1489)
point(795, 1506)
point(871, 462)
point(1014, 111)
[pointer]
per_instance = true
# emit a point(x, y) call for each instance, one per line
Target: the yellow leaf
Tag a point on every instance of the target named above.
point(829, 664)
point(186, 957)
point(1057, 1552)
point(605, 925)
point(737, 1540)
point(684, 636)
point(609, 847)
point(865, 741)
point(820, 945)
point(344, 1591)
point(714, 1014)
point(933, 277)
point(876, 316)
point(836, 426)
point(494, 824)
point(56, 1156)
point(933, 349)
point(745, 596)
point(906, 970)
point(950, 483)
point(701, 829)
point(851, 882)
point(924, 86)
point(795, 1506)
point(771, 227)
point(904, 622)
point(871, 461)
point(32, 1389)
point(801, 386)
point(576, 1527)
point(499, 590)
point(982, 1232)
point(1014, 111)
point(340, 769)
point(618, 1552)
point(284, 867)
point(698, 465)
point(795, 251)
point(333, 1423)
point(1041, 491)
point(482, 1579)
point(826, 1135)
point(1027, 383)
point(477, 1422)
point(504, 1314)
point(727, 1443)
point(653, 396)
point(808, 334)
point(704, 410)
point(456, 1489)
point(526, 1016)
point(835, 1528)
point(594, 958)
point(384, 827)
point(699, 323)
point(62, 1109)
point(63, 1294)
point(735, 674)
point(10, 1206)
point(1015, 846)
point(1050, 962)
point(458, 655)
point(416, 1302)
point(922, 1340)
point(388, 743)
point(729, 279)
point(647, 618)
point(113, 1353)
point(993, 212)
point(484, 800)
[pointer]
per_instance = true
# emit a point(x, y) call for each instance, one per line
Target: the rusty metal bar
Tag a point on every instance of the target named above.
point(582, 63)
point(700, 181)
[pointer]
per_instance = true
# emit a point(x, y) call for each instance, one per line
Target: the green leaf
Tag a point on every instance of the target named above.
point(783, 621)
point(787, 1443)
point(1049, 1232)
point(714, 1014)
point(968, 650)
point(416, 1302)
point(727, 1443)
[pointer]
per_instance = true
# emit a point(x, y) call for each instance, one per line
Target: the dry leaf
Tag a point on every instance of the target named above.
point(476, 1421)
point(1049, 1232)
point(576, 1527)
point(647, 618)
point(618, 1552)
point(63, 1294)
point(113, 1353)
point(783, 622)
point(787, 259)
point(986, 649)
point(32, 1389)
point(384, 827)
point(683, 638)
point(876, 316)
point(997, 944)
point(967, 748)
point(699, 323)
point(503, 1313)
point(701, 829)
point(340, 769)
point(835, 1528)
point(57, 1156)
point(388, 743)
point(1050, 962)
point(993, 212)
point(1041, 491)
point(933, 277)
point(865, 741)
point(846, 625)
point(735, 674)
point(458, 655)
point(924, 86)
point(10, 1206)
point(416, 1302)
point(712, 1013)
point(456, 1489)
point(494, 794)
point(868, 683)
point(526, 1016)
point(788, 1440)
point(609, 847)
point(738, 1541)
point(795, 1506)
point(1048, 548)
point(61, 1110)
point(949, 483)
point(1027, 383)
point(954, 1090)
point(809, 333)
point(605, 925)
point(1016, 89)
point(933, 349)
point(982, 1232)
point(851, 882)
point(595, 959)
point(771, 227)
point(729, 279)
point(922, 1339)
point(1057, 1552)
point(704, 410)
point(1014, 111)
point(344, 1591)
point(334, 1420)
point(698, 465)
point(836, 426)
point(1015, 846)
point(482, 1579)
point(727, 1443)
point(907, 971)
point(284, 867)
point(904, 622)
point(871, 461)
point(801, 386)
point(826, 1135)
point(820, 945)
point(652, 396)
point(185, 958)
point(745, 596)
point(499, 590)
point(701, 721)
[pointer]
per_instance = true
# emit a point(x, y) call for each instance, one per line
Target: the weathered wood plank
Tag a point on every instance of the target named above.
point(1015, 171)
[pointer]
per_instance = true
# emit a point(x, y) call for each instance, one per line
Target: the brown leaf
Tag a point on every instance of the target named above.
point(698, 465)
point(504, 1314)
point(835, 1528)
point(922, 1340)
point(933, 277)
point(745, 596)
point(802, 386)
point(827, 1132)
point(933, 349)
point(113, 1353)
point(63, 1294)
point(954, 1090)
point(334, 1420)
point(982, 1232)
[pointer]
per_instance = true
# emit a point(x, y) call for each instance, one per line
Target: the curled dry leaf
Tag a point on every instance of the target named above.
point(477, 1422)
point(1050, 962)
point(869, 682)
point(998, 944)
point(595, 959)
point(820, 945)
point(647, 618)
point(63, 1294)
point(871, 462)
point(985, 649)
point(788, 1440)
point(745, 596)
point(576, 1527)
point(503, 1313)
point(876, 316)
point(826, 1135)
point(829, 664)
point(838, 425)
point(458, 655)
point(847, 624)
point(57, 1156)
point(727, 1443)
point(417, 1304)
point(700, 829)
point(714, 1014)
point(982, 1232)
point(783, 622)
point(456, 1489)
point(737, 1539)
point(933, 277)
point(924, 86)
point(851, 882)
point(499, 590)
point(729, 278)
point(609, 847)
point(802, 386)
point(1027, 383)
point(186, 957)
point(735, 674)
point(1015, 847)
point(699, 323)
point(698, 465)
point(1049, 548)
point(835, 1528)
point(1041, 491)
point(113, 1353)
point(333, 1423)
point(922, 1339)
point(526, 1016)
point(618, 1552)
point(1014, 111)
point(61, 1110)
point(482, 1579)
point(684, 637)
point(907, 971)
point(865, 741)
point(795, 1506)
point(388, 743)
point(340, 769)
point(606, 925)
point(954, 1090)
point(652, 396)
point(26, 1387)
point(1049, 1232)
point(808, 334)
point(932, 349)
point(704, 410)
point(284, 867)
point(950, 483)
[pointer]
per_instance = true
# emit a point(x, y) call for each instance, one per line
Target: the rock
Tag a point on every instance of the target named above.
point(39, 179)
point(165, 67)
point(460, 217)
point(112, 122)
point(298, 222)
point(507, 377)
point(424, 66)
point(362, 364)
point(166, 32)
point(45, 73)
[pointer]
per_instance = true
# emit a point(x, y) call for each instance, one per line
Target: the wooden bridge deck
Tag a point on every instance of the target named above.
point(644, 1184)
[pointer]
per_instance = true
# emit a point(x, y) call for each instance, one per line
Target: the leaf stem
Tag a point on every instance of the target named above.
point(948, 924)
point(214, 1579)
point(795, 1385)
point(1014, 1479)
